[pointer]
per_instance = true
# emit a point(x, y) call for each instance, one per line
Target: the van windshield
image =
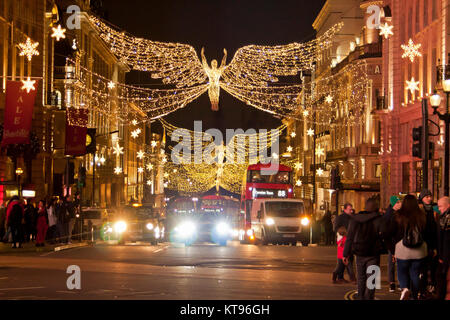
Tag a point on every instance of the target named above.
point(284, 209)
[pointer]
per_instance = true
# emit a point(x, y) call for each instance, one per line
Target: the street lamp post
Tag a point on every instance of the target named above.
point(19, 172)
point(435, 102)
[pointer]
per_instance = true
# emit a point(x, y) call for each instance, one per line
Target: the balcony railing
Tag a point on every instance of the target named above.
point(371, 50)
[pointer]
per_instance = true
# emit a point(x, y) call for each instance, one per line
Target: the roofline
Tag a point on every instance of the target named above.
point(321, 16)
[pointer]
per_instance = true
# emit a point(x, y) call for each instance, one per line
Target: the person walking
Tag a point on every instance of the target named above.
point(52, 220)
point(14, 216)
point(2, 220)
point(328, 227)
point(428, 280)
point(342, 221)
point(61, 221)
point(364, 240)
point(338, 274)
point(394, 205)
point(443, 248)
point(70, 207)
point(42, 224)
point(408, 237)
point(30, 221)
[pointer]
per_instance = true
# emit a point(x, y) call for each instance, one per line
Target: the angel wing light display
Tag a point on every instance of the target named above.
point(252, 68)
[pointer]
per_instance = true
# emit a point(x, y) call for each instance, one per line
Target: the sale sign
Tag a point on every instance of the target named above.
point(76, 134)
point(18, 113)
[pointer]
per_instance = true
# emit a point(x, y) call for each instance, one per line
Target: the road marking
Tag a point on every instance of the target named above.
point(350, 295)
point(161, 249)
point(24, 288)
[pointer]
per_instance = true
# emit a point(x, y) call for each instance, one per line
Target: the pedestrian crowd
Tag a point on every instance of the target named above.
point(22, 220)
point(413, 232)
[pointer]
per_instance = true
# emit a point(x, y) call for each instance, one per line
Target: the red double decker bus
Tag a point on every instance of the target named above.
point(262, 181)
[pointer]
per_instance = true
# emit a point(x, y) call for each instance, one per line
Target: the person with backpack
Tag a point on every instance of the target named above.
point(443, 249)
point(14, 217)
point(42, 224)
point(394, 205)
point(364, 240)
point(409, 237)
point(428, 281)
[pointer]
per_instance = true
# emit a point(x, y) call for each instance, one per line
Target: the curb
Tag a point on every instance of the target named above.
point(70, 246)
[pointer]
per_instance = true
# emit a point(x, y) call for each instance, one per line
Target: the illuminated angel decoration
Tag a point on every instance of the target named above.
point(247, 77)
point(214, 75)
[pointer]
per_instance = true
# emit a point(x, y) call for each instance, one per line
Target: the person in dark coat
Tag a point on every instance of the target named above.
point(394, 205)
point(14, 216)
point(328, 227)
point(42, 224)
point(342, 221)
point(30, 221)
point(428, 283)
point(443, 247)
point(364, 240)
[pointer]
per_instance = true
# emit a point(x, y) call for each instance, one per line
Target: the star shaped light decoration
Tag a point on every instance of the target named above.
point(411, 50)
point(305, 113)
point(319, 172)
point(298, 183)
point(289, 149)
point(118, 150)
point(164, 159)
point(153, 143)
point(386, 30)
point(412, 85)
point(329, 99)
point(166, 175)
point(149, 167)
point(111, 85)
point(320, 151)
point(310, 132)
point(298, 166)
point(58, 33)
point(28, 85)
point(140, 154)
point(149, 182)
point(134, 122)
point(293, 134)
point(135, 133)
point(117, 170)
point(28, 49)
point(141, 170)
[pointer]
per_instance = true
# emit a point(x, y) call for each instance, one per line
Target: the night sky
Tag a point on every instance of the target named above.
point(215, 25)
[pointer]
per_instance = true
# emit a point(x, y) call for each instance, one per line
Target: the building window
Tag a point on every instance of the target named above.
point(434, 10)
point(417, 16)
point(405, 177)
point(377, 171)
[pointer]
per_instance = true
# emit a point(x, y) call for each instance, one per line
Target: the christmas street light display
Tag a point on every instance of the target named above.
point(411, 50)
point(58, 33)
point(386, 30)
point(412, 85)
point(28, 85)
point(28, 49)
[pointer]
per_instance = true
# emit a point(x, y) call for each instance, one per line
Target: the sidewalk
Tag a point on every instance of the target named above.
point(30, 247)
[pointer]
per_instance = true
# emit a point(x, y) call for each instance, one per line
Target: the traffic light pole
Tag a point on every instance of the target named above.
point(425, 144)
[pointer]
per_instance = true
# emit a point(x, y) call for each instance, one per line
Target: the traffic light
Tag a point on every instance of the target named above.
point(91, 146)
point(417, 147)
point(82, 176)
point(335, 179)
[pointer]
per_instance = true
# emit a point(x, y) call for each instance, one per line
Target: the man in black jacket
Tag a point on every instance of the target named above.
point(431, 264)
point(343, 220)
point(443, 247)
point(364, 240)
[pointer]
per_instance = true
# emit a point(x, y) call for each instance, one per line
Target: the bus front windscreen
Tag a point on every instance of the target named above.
point(281, 177)
point(284, 209)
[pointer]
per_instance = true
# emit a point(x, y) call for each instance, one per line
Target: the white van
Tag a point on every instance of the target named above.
point(280, 221)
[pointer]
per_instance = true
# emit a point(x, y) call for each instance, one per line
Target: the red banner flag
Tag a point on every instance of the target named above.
point(76, 135)
point(18, 112)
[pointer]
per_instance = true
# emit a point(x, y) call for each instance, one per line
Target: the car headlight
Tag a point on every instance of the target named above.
point(304, 221)
point(270, 222)
point(120, 226)
point(186, 229)
point(149, 226)
point(223, 228)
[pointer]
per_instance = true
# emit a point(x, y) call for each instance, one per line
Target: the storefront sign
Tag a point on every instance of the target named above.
point(18, 113)
point(76, 135)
